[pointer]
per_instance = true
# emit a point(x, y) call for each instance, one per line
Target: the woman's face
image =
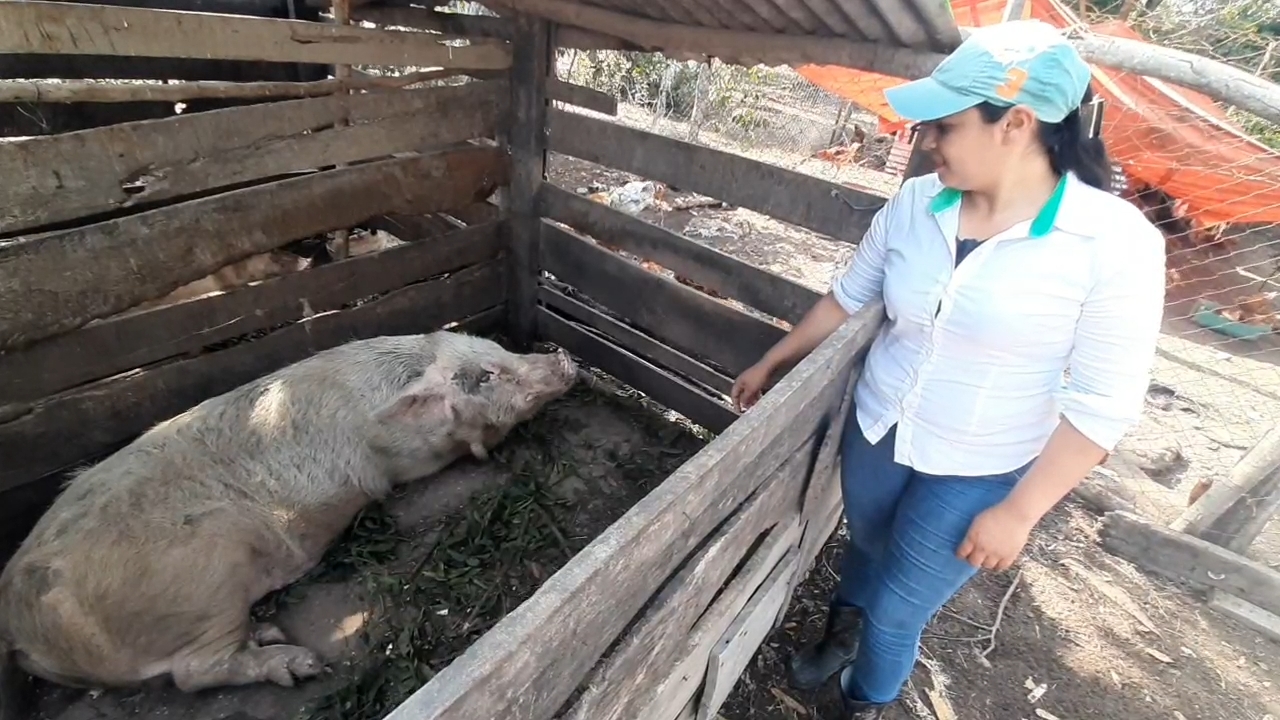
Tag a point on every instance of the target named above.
point(972, 154)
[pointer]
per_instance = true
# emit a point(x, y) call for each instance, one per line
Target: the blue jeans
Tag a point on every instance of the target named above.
point(900, 566)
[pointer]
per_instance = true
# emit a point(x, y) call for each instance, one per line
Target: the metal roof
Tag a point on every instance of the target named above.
point(917, 24)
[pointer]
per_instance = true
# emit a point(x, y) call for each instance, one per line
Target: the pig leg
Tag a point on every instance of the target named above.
point(250, 664)
point(266, 634)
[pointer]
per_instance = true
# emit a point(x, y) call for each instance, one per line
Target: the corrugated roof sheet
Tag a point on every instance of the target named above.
point(917, 24)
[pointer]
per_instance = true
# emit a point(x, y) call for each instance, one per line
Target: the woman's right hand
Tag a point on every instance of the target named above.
point(747, 388)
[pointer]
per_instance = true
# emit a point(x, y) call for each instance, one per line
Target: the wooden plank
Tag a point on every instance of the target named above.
point(581, 96)
point(686, 677)
point(533, 660)
point(57, 282)
point(1183, 558)
point(39, 27)
point(465, 25)
point(626, 683)
point(734, 650)
point(686, 319)
point(124, 343)
point(1245, 613)
point(636, 342)
point(822, 506)
point(649, 379)
point(447, 23)
point(1235, 509)
point(63, 177)
point(109, 413)
point(528, 143)
point(807, 201)
point(721, 272)
point(106, 67)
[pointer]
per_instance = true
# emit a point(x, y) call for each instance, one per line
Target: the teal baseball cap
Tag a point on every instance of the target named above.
point(1021, 62)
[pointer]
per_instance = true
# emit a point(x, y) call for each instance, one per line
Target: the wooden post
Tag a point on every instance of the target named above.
point(1234, 510)
point(1013, 10)
point(342, 73)
point(527, 140)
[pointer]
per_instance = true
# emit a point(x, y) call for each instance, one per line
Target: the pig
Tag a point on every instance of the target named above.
point(147, 564)
point(254, 268)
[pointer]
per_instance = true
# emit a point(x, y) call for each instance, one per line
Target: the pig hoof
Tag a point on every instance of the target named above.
point(279, 664)
point(266, 634)
point(293, 662)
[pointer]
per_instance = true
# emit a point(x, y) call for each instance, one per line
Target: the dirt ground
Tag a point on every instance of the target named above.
point(421, 576)
point(1083, 634)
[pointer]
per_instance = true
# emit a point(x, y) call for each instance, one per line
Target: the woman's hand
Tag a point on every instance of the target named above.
point(747, 388)
point(996, 537)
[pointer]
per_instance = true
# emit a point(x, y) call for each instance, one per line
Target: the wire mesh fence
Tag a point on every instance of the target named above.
point(1208, 176)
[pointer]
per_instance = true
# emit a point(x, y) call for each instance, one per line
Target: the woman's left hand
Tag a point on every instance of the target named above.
point(996, 538)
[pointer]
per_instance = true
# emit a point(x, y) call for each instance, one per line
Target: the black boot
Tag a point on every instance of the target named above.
point(855, 709)
point(838, 647)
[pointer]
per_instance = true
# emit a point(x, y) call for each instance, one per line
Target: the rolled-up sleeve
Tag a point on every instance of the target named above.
point(1115, 340)
point(863, 279)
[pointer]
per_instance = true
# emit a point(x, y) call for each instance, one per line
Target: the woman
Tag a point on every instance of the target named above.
point(1008, 266)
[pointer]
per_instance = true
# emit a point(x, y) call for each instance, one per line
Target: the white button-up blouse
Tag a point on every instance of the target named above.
point(970, 364)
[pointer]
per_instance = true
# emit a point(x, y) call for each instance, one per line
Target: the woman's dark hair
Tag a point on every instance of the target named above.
point(1068, 143)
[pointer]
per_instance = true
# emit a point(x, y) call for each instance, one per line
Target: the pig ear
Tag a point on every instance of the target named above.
point(419, 406)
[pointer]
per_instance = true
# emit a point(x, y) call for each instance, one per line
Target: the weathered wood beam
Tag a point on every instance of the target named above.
point(686, 319)
point(35, 26)
point(1183, 558)
point(1235, 509)
point(59, 178)
point(837, 211)
point(715, 270)
point(635, 371)
point(83, 91)
point(634, 341)
point(137, 340)
point(59, 281)
point(1218, 80)
point(639, 679)
point(527, 141)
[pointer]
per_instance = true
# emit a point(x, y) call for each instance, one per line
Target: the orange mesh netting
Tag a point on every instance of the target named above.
point(1162, 135)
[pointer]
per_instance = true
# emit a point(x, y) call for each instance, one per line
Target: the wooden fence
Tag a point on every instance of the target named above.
point(660, 614)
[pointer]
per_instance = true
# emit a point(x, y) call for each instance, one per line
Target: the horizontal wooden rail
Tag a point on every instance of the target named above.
point(464, 25)
point(33, 26)
point(529, 664)
point(635, 341)
point(686, 319)
point(1183, 558)
point(57, 282)
point(446, 23)
point(108, 67)
point(635, 371)
point(87, 91)
point(718, 271)
point(63, 177)
point(804, 200)
point(107, 414)
point(138, 340)
point(641, 677)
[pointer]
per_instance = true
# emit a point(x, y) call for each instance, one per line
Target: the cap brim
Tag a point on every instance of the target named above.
point(925, 100)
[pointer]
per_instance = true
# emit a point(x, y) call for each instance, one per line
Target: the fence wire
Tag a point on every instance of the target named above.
point(1207, 176)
